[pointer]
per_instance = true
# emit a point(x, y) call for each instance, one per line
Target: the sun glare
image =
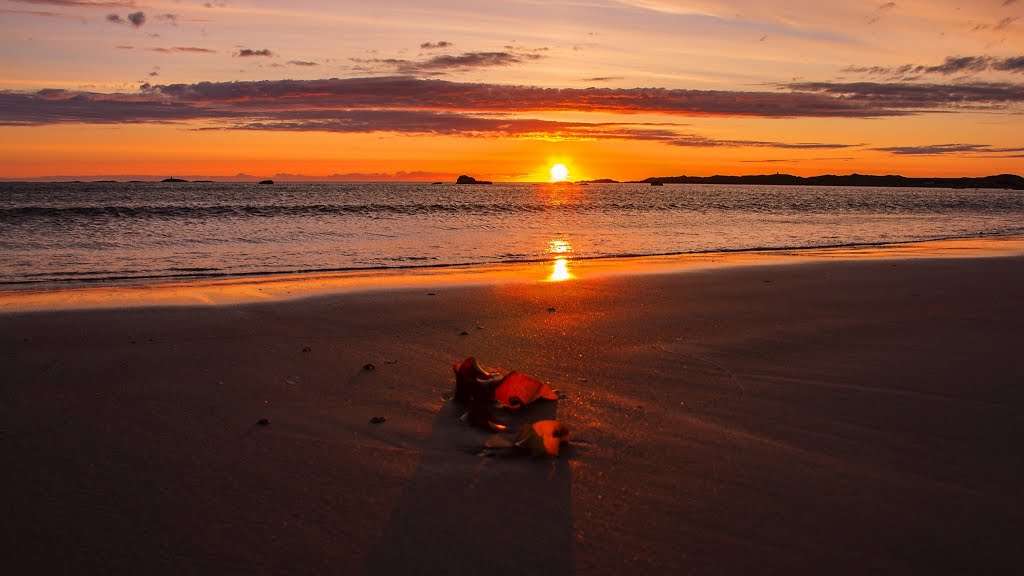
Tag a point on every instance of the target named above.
point(559, 173)
point(560, 267)
point(560, 271)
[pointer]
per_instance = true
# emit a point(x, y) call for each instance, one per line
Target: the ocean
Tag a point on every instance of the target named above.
point(61, 234)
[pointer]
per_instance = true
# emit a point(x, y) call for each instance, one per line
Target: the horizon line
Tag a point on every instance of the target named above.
point(297, 178)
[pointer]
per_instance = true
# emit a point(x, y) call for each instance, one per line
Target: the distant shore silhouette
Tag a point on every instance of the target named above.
point(1009, 181)
point(1001, 181)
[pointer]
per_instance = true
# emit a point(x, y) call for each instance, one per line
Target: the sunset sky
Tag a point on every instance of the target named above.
point(414, 90)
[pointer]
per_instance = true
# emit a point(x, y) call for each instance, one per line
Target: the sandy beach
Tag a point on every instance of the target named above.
point(835, 415)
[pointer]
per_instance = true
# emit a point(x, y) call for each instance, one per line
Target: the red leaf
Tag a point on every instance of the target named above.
point(472, 382)
point(516, 390)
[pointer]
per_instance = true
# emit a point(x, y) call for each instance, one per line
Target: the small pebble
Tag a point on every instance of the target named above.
point(307, 349)
point(463, 333)
point(431, 294)
point(378, 420)
point(560, 395)
point(551, 309)
point(263, 422)
point(368, 367)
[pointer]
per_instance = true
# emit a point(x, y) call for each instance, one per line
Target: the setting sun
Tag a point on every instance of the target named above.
point(559, 173)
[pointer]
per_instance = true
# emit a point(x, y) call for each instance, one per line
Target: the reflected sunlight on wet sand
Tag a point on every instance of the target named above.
point(561, 268)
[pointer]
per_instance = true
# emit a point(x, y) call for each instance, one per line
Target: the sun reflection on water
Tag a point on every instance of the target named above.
point(560, 267)
point(559, 246)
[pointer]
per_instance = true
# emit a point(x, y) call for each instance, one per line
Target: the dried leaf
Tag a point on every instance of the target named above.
point(542, 438)
point(472, 382)
point(517, 390)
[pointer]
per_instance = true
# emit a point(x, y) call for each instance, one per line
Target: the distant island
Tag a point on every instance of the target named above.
point(1007, 181)
point(173, 180)
point(470, 180)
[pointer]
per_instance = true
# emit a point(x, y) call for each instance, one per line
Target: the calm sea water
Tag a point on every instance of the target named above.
point(72, 233)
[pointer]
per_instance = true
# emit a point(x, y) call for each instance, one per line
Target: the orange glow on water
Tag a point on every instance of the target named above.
point(284, 287)
point(560, 267)
point(559, 246)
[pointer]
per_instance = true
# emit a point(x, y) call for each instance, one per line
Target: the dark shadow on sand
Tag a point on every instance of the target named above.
point(466, 514)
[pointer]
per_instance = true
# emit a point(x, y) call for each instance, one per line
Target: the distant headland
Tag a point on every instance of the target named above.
point(1008, 181)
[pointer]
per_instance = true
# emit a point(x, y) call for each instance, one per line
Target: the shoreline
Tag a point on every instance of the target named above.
point(280, 287)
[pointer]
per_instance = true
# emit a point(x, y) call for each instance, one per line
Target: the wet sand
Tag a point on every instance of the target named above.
point(849, 416)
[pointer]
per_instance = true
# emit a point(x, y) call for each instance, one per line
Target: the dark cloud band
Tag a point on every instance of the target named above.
point(438, 65)
point(919, 97)
point(419, 107)
point(399, 92)
point(938, 149)
point(951, 65)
